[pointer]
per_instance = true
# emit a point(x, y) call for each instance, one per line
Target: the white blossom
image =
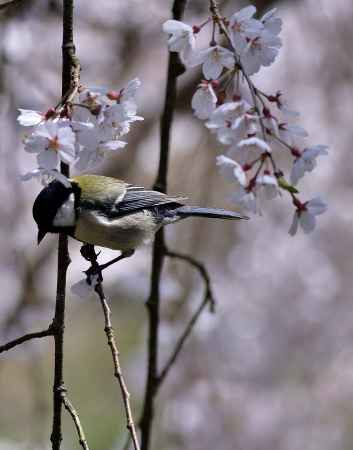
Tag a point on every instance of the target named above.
point(84, 290)
point(119, 115)
point(231, 170)
point(271, 23)
point(258, 50)
point(30, 118)
point(306, 216)
point(54, 141)
point(306, 162)
point(254, 144)
point(93, 99)
point(267, 186)
point(289, 132)
point(284, 107)
point(204, 101)
point(93, 145)
point(242, 25)
point(232, 122)
point(256, 42)
point(45, 176)
point(128, 97)
point(182, 39)
point(247, 199)
point(248, 148)
point(213, 60)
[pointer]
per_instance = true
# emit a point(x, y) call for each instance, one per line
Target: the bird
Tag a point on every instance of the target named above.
point(108, 212)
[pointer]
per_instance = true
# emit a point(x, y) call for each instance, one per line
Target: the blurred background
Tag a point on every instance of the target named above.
point(273, 368)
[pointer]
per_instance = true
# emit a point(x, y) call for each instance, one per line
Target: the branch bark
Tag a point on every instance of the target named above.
point(70, 74)
point(27, 337)
point(175, 69)
point(90, 255)
point(73, 413)
point(208, 299)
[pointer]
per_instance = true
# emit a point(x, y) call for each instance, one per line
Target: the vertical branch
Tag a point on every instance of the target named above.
point(69, 69)
point(175, 68)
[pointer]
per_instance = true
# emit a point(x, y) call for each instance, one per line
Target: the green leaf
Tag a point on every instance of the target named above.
point(283, 183)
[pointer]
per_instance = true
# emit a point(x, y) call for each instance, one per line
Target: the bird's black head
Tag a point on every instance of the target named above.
point(54, 209)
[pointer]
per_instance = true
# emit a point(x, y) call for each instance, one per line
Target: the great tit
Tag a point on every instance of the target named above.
point(111, 213)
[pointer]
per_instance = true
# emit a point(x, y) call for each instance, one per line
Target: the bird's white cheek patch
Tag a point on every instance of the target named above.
point(65, 217)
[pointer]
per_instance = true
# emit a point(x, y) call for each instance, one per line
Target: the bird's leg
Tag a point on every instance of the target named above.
point(123, 255)
point(88, 252)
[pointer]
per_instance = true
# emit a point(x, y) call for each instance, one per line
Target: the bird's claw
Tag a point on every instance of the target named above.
point(93, 271)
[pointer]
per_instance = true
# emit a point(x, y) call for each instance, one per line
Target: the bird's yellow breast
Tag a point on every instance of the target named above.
point(124, 233)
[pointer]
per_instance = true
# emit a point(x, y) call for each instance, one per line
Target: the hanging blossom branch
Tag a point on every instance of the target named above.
point(95, 280)
point(252, 124)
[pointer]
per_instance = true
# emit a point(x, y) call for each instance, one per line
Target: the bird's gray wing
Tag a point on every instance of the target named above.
point(137, 198)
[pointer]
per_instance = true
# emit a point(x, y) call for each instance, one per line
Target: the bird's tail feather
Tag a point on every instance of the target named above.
point(213, 213)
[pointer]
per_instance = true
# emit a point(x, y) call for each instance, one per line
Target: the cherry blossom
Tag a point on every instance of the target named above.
point(214, 60)
point(45, 176)
point(232, 122)
point(182, 39)
point(54, 142)
point(91, 128)
point(268, 186)
point(306, 161)
point(259, 50)
point(85, 289)
point(305, 215)
point(290, 132)
point(242, 24)
point(271, 23)
point(204, 100)
point(231, 170)
point(30, 118)
point(247, 199)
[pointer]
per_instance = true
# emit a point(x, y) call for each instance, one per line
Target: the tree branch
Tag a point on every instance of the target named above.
point(73, 413)
point(8, 3)
point(202, 270)
point(208, 299)
point(27, 337)
point(175, 69)
point(89, 253)
point(70, 74)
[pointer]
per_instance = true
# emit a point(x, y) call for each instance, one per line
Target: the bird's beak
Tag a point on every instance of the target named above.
point(41, 234)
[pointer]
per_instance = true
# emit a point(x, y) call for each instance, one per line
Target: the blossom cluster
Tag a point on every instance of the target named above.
point(252, 125)
point(80, 133)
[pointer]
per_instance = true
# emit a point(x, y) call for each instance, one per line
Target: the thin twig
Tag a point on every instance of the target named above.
point(198, 265)
point(208, 299)
point(117, 368)
point(27, 337)
point(89, 253)
point(73, 413)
